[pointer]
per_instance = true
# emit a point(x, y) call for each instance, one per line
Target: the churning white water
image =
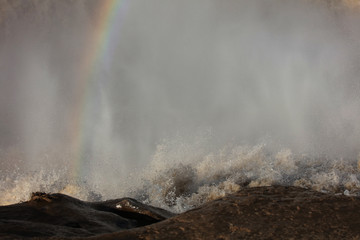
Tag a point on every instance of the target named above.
point(183, 175)
point(196, 99)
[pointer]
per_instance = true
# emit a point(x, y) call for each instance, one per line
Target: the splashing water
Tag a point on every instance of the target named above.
point(88, 90)
point(183, 175)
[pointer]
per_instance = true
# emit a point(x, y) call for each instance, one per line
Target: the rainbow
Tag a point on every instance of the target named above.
point(97, 50)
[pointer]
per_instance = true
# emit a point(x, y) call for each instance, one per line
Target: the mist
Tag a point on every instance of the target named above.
point(244, 72)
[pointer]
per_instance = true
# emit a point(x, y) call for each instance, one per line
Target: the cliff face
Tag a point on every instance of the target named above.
point(33, 29)
point(17, 13)
point(32, 15)
point(352, 4)
point(18, 8)
point(42, 9)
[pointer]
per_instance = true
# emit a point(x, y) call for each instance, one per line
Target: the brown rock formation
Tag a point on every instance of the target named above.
point(275, 212)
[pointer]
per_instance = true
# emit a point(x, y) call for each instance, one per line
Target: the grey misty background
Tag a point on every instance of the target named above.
point(283, 71)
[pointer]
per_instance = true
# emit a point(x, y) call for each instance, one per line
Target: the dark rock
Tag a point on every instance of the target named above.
point(275, 212)
point(48, 215)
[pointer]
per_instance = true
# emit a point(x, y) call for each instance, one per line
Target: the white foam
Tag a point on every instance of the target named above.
point(185, 177)
point(185, 174)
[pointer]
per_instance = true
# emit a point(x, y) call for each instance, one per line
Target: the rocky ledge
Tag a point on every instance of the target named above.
point(275, 212)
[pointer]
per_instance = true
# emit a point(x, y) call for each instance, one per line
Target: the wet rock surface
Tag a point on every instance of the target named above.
point(59, 215)
point(275, 212)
